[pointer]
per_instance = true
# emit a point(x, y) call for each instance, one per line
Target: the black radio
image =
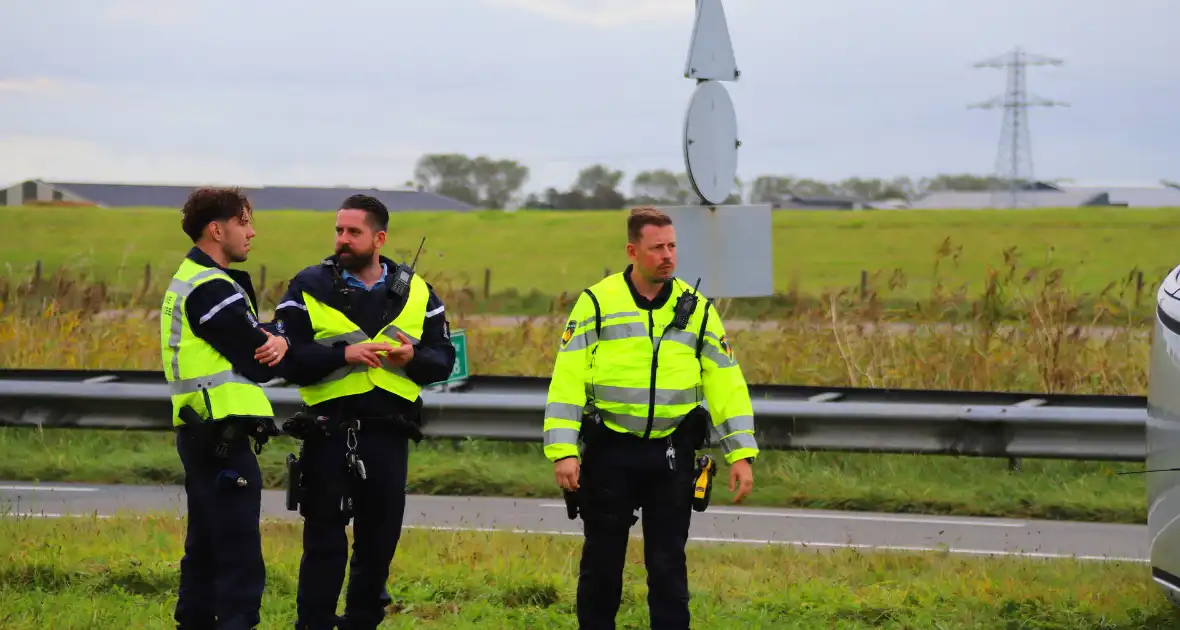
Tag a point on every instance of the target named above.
point(685, 305)
point(399, 286)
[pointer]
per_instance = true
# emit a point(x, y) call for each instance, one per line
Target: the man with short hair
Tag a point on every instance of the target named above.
point(640, 353)
point(367, 335)
point(215, 353)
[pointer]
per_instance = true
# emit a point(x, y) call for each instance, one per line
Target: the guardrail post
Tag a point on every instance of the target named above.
point(1016, 464)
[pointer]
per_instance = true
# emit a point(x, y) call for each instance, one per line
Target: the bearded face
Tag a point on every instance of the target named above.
point(356, 242)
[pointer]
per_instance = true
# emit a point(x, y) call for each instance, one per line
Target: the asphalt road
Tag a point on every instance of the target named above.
point(722, 522)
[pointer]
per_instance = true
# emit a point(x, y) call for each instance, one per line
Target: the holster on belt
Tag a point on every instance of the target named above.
point(703, 482)
point(589, 434)
point(410, 424)
point(571, 503)
point(294, 480)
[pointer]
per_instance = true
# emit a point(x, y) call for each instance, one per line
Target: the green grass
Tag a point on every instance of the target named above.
point(122, 573)
point(814, 251)
point(1088, 491)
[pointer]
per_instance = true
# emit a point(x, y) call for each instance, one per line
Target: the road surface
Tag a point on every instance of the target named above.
point(721, 523)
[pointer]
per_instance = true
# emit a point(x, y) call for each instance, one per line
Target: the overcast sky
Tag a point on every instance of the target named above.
point(351, 92)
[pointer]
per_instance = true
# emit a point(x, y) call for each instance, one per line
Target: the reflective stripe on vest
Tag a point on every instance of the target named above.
point(643, 376)
point(197, 374)
point(333, 328)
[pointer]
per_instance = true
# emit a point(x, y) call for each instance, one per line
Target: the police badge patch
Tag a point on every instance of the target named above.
point(568, 333)
point(726, 348)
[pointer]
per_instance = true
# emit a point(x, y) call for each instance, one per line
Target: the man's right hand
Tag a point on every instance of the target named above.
point(566, 471)
point(366, 353)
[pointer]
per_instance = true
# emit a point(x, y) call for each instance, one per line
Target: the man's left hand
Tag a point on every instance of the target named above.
point(401, 355)
point(741, 475)
point(271, 352)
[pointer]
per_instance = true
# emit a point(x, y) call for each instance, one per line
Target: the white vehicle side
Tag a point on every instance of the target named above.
point(1163, 439)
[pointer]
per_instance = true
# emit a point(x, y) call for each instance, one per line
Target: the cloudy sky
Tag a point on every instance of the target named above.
point(352, 92)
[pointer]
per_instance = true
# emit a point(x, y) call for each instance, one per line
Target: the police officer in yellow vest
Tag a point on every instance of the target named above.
point(215, 353)
point(628, 382)
point(367, 335)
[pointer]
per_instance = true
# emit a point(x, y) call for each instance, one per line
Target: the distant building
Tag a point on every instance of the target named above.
point(819, 202)
point(1046, 195)
point(1134, 196)
point(265, 198)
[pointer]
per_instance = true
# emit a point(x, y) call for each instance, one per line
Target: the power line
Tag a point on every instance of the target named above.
point(1014, 162)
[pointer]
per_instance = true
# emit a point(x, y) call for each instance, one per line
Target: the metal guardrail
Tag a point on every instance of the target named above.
point(987, 424)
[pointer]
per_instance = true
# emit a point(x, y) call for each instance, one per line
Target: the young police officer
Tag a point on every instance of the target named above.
point(366, 335)
point(215, 353)
point(640, 352)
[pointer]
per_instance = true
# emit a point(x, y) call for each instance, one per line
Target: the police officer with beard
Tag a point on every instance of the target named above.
point(366, 335)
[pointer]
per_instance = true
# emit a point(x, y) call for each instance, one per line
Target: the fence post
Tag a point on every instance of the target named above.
point(1138, 288)
point(487, 282)
point(37, 274)
point(147, 277)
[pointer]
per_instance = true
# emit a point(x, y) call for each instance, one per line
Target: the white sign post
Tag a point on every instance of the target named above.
point(727, 246)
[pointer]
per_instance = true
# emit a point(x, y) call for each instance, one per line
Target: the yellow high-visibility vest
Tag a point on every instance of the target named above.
point(198, 375)
point(333, 327)
point(642, 375)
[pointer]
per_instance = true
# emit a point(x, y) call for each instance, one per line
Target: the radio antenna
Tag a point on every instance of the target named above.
point(415, 262)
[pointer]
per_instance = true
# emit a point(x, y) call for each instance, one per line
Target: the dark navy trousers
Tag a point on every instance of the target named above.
point(222, 574)
point(617, 476)
point(378, 507)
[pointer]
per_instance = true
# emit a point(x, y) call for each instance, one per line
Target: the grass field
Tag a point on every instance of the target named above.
point(86, 573)
point(551, 253)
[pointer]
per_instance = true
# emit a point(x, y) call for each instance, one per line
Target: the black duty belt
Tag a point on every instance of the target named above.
point(221, 434)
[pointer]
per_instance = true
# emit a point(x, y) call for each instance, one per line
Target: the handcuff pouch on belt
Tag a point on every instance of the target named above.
point(410, 423)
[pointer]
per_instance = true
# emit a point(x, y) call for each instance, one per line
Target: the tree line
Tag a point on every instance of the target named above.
point(496, 183)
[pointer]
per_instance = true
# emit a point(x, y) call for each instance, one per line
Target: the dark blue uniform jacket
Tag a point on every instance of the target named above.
point(219, 315)
point(371, 309)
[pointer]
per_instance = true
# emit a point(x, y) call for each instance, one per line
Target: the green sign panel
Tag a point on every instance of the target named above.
point(459, 341)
